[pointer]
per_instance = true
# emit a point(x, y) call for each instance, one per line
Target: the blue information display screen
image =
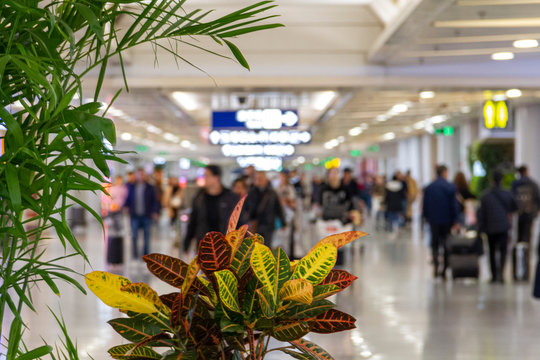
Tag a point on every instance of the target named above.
point(255, 119)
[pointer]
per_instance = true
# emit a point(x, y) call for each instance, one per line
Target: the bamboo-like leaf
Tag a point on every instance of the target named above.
point(108, 287)
point(191, 276)
point(339, 240)
point(240, 261)
point(137, 330)
point(331, 321)
point(237, 54)
point(324, 291)
point(36, 353)
point(128, 351)
point(299, 290)
point(340, 278)
point(316, 265)
point(214, 253)
point(303, 311)
point(263, 264)
point(235, 238)
point(291, 331)
point(228, 289)
point(235, 216)
point(311, 349)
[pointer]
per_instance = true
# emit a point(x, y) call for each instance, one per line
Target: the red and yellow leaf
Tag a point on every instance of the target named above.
point(314, 351)
point(299, 290)
point(339, 240)
point(167, 268)
point(214, 253)
point(340, 278)
point(291, 331)
point(191, 276)
point(324, 291)
point(263, 264)
point(316, 265)
point(331, 321)
point(235, 238)
point(176, 312)
point(130, 352)
point(233, 220)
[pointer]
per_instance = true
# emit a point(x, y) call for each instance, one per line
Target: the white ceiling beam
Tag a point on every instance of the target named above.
point(476, 39)
point(489, 23)
point(496, 2)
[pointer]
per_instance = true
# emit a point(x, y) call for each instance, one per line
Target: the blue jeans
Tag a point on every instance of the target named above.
point(138, 222)
point(393, 220)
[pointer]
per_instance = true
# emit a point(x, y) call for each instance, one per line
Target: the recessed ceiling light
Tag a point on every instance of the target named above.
point(126, 136)
point(382, 118)
point(341, 139)
point(185, 143)
point(185, 100)
point(525, 44)
point(169, 137)
point(301, 160)
point(364, 126)
point(438, 119)
point(502, 56)
point(355, 131)
point(466, 109)
point(427, 95)
point(389, 136)
point(400, 108)
point(513, 93)
point(499, 97)
point(419, 125)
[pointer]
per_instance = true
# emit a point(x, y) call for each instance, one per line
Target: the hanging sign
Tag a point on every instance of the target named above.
point(496, 114)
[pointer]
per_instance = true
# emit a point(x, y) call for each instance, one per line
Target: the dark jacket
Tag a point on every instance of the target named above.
point(527, 195)
point(440, 205)
point(198, 224)
point(335, 203)
point(395, 196)
point(495, 207)
point(151, 203)
point(263, 208)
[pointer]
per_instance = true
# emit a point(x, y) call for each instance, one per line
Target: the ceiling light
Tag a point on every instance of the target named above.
point(400, 108)
point(525, 44)
point(301, 159)
point(466, 109)
point(185, 143)
point(169, 137)
point(355, 131)
point(382, 118)
point(499, 97)
point(502, 56)
point(153, 129)
point(126, 136)
point(438, 119)
point(185, 100)
point(389, 136)
point(323, 99)
point(419, 125)
point(513, 93)
point(341, 139)
point(364, 126)
point(427, 95)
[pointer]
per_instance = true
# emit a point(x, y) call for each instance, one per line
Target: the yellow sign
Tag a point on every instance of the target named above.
point(495, 114)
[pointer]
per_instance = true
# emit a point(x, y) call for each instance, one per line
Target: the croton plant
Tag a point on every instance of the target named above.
point(246, 295)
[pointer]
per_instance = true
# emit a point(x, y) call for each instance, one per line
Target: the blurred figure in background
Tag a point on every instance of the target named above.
point(143, 205)
point(249, 174)
point(131, 178)
point(112, 204)
point(494, 220)
point(463, 195)
point(316, 188)
point(394, 199)
point(527, 196)
point(378, 191)
point(440, 209)
point(351, 185)
point(211, 207)
point(287, 196)
point(412, 194)
point(264, 208)
point(240, 186)
point(173, 199)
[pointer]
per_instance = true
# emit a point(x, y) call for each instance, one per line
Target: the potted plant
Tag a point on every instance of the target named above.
point(245, 295)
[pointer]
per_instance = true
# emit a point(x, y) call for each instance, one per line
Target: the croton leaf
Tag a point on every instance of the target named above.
point(293, 264)
point(240, 260)
point(144, 291)
point(324, 291)
point(263, 264)
point(331, 321)
point(128, 351)
point(299, 290)
point(137, 330)
point(176, 312)
point(340, 278)
point(250, 300)
point(191, 276)
point(109, 288)
point(230, 326)
point(316, 265)
point(302, 311)
point(168, 299)
point(228, 289)
point(297, 355)
point(233, 220)
point(167, 268)
point(190, 354)
point(158, 319)
point(235, 237)
point(266, 302)
point(311, 349)
point(290, 331)
point(214, 253)
point(283, 269)
point(339, 240)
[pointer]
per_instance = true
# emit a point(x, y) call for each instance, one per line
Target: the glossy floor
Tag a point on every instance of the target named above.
point(402, 312)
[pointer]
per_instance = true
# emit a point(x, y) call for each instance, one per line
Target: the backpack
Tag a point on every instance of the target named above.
point(525, 200)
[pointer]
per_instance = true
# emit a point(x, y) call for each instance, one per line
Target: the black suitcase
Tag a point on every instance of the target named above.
point(464, 251)
point(115, 249)
point(520, 261)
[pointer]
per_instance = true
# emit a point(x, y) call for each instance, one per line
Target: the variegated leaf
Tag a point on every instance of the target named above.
point(235, 216)
point(340, 278)
point(263, 264)
point(214, 253)
point(296, 355)
point(313, 350)
point(137, 330)
point(339, 240)
point(240, 260)
point(235, 238)
point(250, 300)
point(129, 352)
point(316, 265)
point(228, 289)
point(303, 311)
point(299, 290)
point(291, 331)
point(324, 291)
point(167, 268)
point(283, 269)
point(266, 302)
point(331, 321)
point(144, 291)
point(191, 276)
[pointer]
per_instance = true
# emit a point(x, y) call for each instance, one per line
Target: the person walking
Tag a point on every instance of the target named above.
point(143, 205)
point(173, 199)
point(264, 208)
point(527, 196)
point(494, 220)
point(412, 193)
point(211, 207)
point(464, 195)
point(113, 202)
point(395, 196)
point(440, 210)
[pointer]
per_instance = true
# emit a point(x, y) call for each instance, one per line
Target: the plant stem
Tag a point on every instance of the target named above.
point(252, 349)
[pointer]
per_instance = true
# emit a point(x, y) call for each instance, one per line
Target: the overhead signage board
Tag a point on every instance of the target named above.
point(496, 115)
point(255, 119)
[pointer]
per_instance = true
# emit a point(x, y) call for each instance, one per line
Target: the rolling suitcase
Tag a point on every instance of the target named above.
point(520, 261)
point(464, 251)
point(115, 249)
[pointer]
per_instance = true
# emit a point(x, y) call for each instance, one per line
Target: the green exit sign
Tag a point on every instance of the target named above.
point(356, 153)
point(374, 148)
point(446, 131)
point(141, 148)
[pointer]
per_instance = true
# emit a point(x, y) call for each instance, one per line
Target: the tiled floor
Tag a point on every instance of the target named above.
point(402, 313)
